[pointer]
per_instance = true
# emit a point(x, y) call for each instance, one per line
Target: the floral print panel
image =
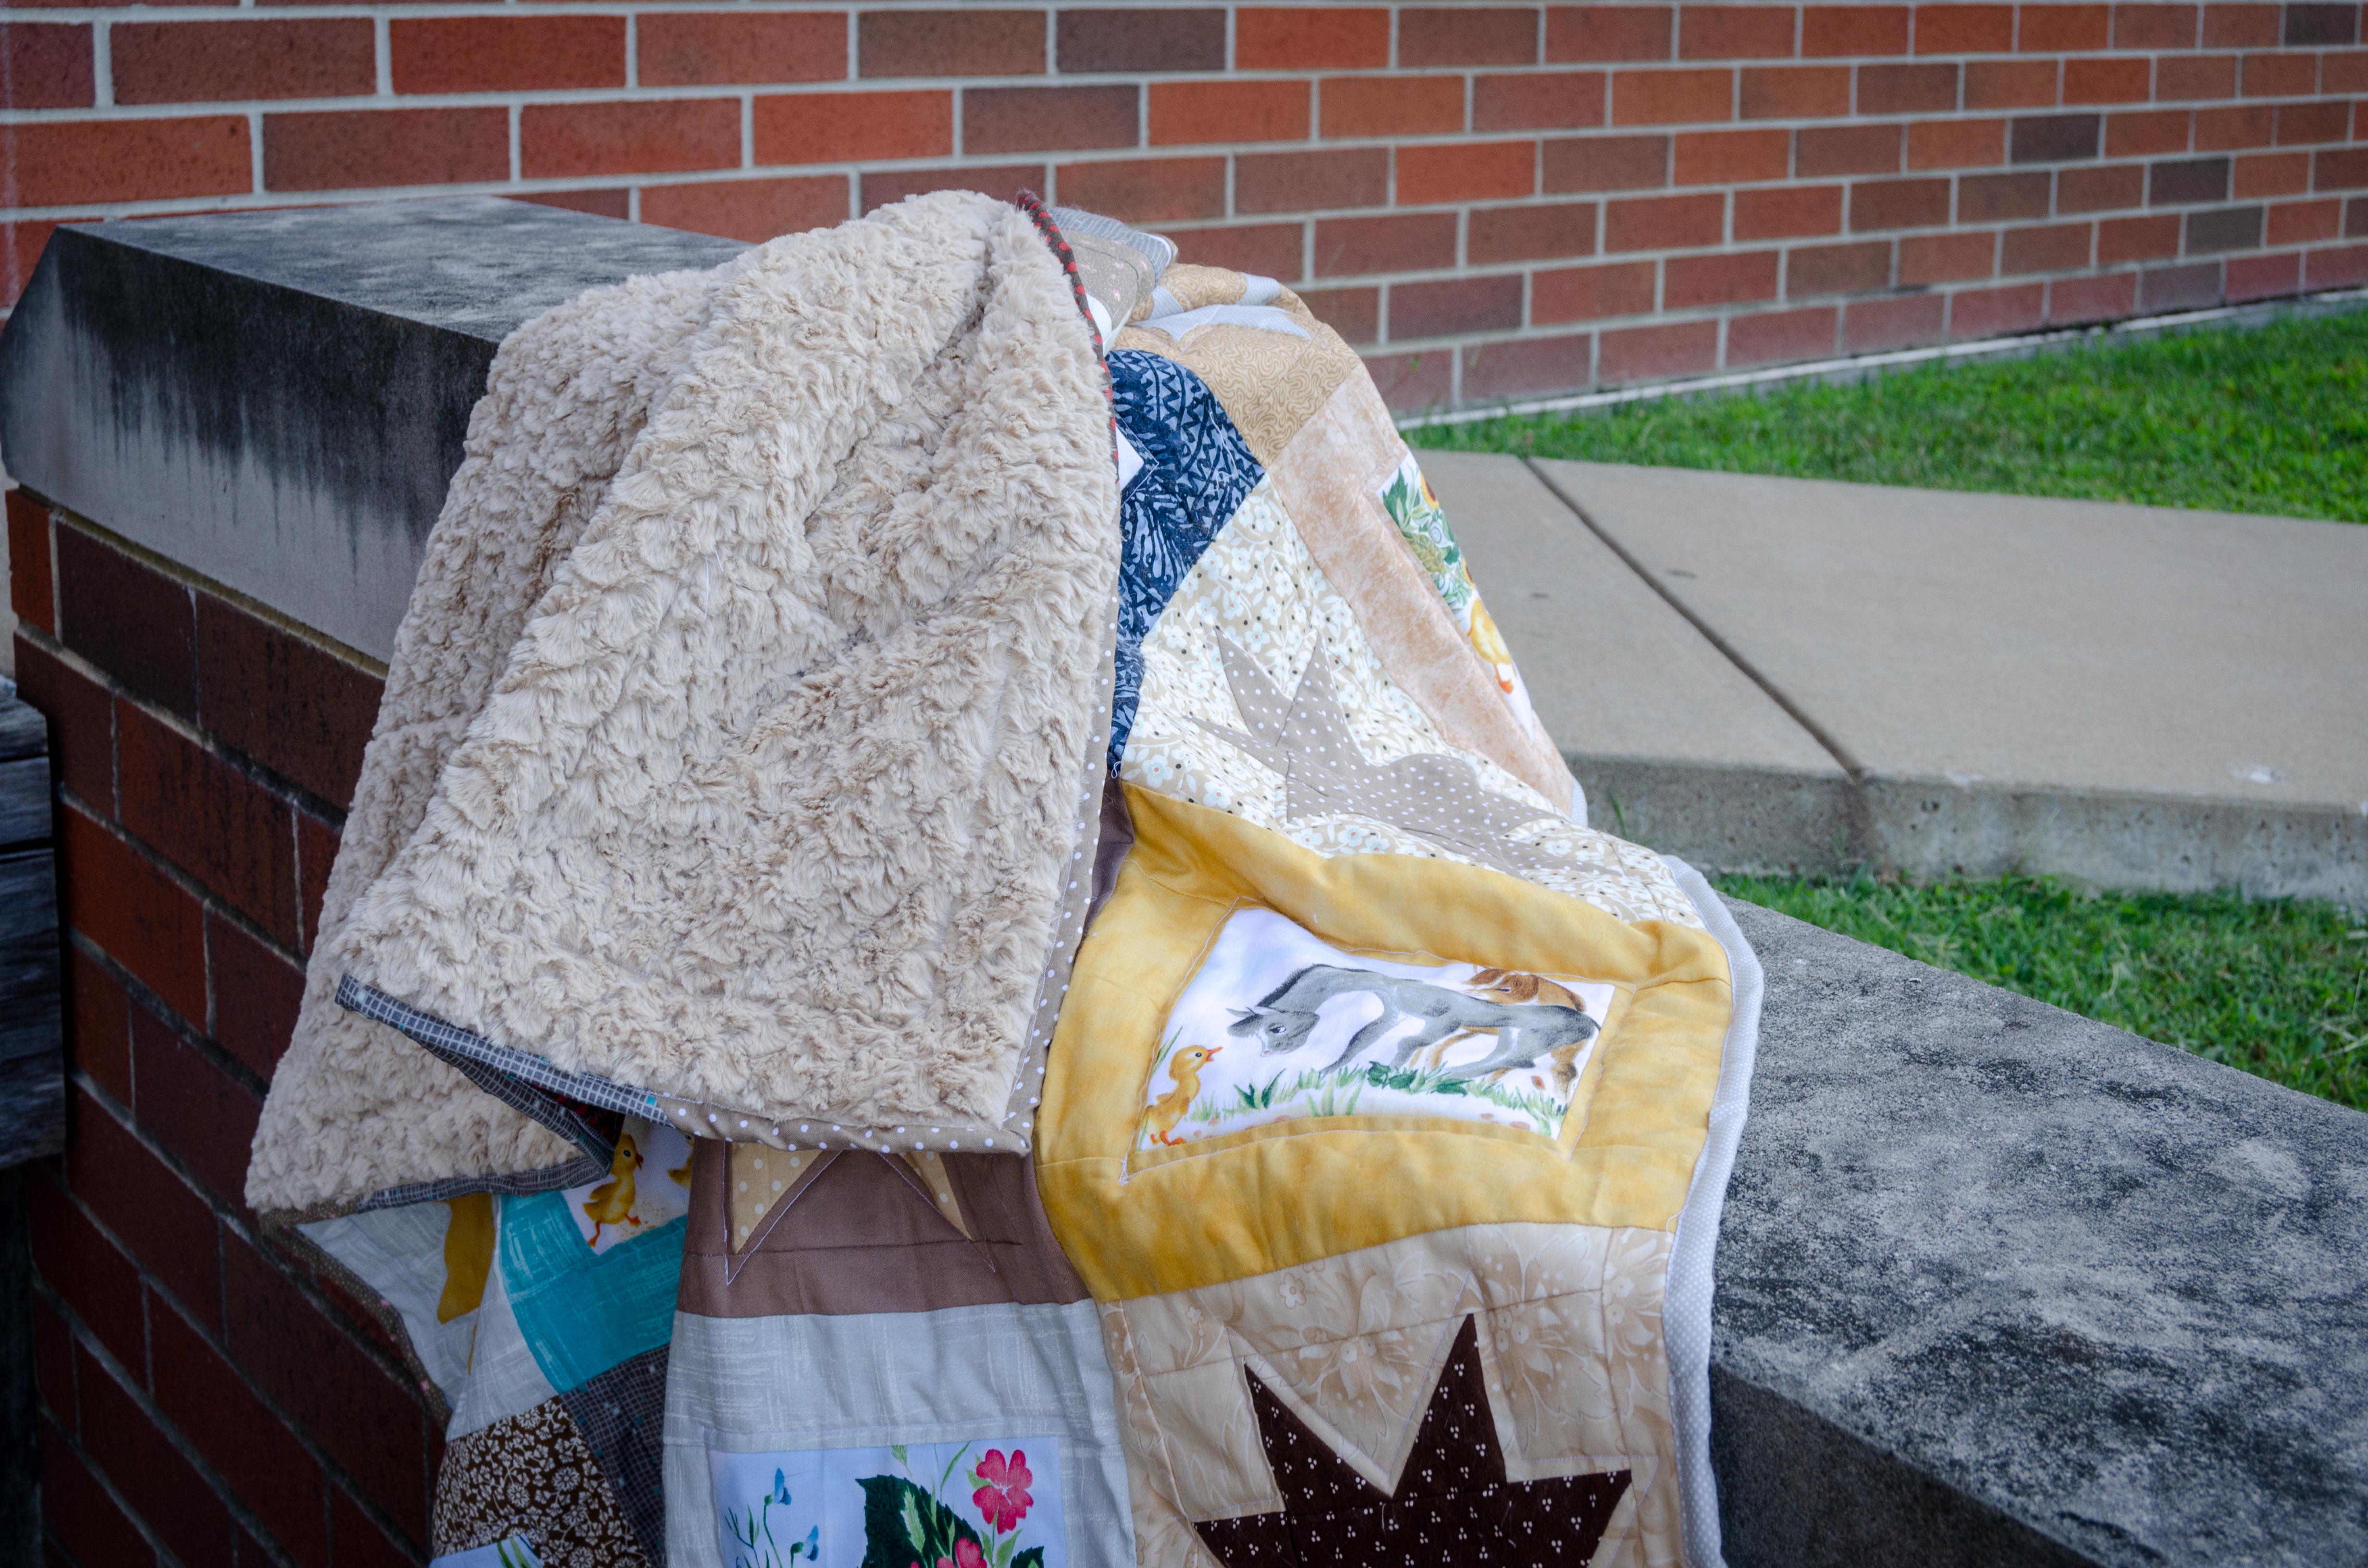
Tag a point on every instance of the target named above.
point(1422, 522)
point(989, 1503)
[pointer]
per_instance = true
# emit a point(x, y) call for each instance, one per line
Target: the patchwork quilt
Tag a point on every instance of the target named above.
point(992, 967)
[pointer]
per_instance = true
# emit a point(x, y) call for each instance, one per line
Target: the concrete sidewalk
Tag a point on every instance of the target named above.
point(1764, 672)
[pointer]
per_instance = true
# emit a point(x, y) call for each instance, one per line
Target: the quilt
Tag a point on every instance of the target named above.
point(964, 950)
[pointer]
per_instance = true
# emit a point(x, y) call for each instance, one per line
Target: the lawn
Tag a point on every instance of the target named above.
point(2275, 987)
point(2269, 420)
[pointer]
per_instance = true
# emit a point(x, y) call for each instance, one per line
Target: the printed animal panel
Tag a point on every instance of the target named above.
point(1277, 1024)
point(988, 1503)
point(648, 1185)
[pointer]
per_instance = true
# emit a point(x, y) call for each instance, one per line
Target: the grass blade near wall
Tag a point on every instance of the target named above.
point(2276, 987)
point(2274, 419)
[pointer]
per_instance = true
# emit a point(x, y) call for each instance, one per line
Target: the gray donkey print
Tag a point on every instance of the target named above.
point(1525, 1031)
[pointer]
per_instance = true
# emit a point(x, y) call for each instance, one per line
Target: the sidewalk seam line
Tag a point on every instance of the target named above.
point(1833, 748)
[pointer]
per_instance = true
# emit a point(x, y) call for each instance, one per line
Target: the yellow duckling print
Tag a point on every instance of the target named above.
point(1169, 1110)
point(611, 1202)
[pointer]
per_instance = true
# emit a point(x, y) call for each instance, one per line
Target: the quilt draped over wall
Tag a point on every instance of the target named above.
point(959, 946)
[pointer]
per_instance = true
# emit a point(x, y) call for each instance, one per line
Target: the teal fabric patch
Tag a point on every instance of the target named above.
point(582, 1311)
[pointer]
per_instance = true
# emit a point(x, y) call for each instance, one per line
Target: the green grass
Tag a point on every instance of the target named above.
point(2269, 420)
point(2275, 987)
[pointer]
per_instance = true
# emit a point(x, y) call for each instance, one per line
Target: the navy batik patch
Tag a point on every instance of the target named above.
point(1196, 470)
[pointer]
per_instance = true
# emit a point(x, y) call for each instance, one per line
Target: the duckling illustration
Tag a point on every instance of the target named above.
point(611, 1202)
point(1184, 1071)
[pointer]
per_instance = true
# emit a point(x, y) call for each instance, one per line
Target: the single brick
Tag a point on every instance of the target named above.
point(2100, 187)
point(208, 818)
point(1310, 38)
point(2053, 138)
point(1270, 250)
point(2327, 121)
point(1390, 106)
point(1043, 119)
point(82, 724)
point(1538, 100)
point(1591, 33)
point(47, 65)
point(2108, 81)
point(1300, 182)
point(2186, 180)
point(2225, 228)
point(2242, 26)
point(181, 63)
point(97, 1025)
point(2279, 75)
point(1656, 353)
point(2271, 174)
point(1788, 212)
point(290, 704)
point(751, 210)
point(1692, 282)
point(1527, 367)
point(1820, 151)
point(2343, 267)
point(1872, 325)
point(2295, 223)
point(1670, 97)
point(2315, 27)
point(2054, 247)
point(2147, 134)
point(2355, 221)
point(2262, 277)
point(54, 1372)
point(1467, 35)
point(950, 43)
point(2056, 30)
point(2179, 77)
point(1185, 112)
point(1955, 28)
point(129, 619)
point(1726, 157)
point(1466, 171)
point(1450, 305)
point(1775, 338)
point(505, 54)
point(632, 136)
point(1998, 198)
point(255, 997)
point(2011, 83)
point(1946, 258)
point(1898, 204)
point(1955, 143)
point(1837, 269)
point(124, 1444)
point(2180, 287)
point(62, 163)
point(882, 187)
point(1354, 314)
point(1408, 241)
point(1996, 313)
point(157, 1217)
point(1828, 30)
point(193, 1105)
point(1794, 92)
point(1589, 293)
point(2121, 240)
point(100, 1285)
point(2345, 72)
point(1664, 223)
point(1166, 38)
point(246, 1444)
point(707, 49)
point(1413, 383)
point(1607, 163)
point(142, 917)
point(316, 852)
point(1927, 87)
point(343, 150)
point(2156, 26)
point(2240, 125)
point(31, 592)
point(1493, 235)
point(2076, 301)
point(834, 128)
point(1734, 32)
point(1147, 191)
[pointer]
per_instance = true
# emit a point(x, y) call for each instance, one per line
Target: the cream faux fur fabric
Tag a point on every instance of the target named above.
point(771, 796)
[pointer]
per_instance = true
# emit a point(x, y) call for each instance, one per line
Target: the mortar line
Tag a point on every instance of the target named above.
point(1818, 732)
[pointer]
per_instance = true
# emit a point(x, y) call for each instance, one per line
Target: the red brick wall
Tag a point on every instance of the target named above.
point(1494, 200)
point(202, 1398)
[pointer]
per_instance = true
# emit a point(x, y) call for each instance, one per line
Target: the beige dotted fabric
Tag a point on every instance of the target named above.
point(760, 1178)
point(931, 1166)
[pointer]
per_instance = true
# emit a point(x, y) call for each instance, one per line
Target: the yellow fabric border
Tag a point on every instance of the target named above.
point(1310, 1191)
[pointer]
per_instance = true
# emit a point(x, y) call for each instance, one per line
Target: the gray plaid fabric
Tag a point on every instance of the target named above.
point(622, 1413)
point(550, 1178)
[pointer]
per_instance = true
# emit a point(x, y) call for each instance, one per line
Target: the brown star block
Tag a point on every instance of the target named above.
point(1452, 1501)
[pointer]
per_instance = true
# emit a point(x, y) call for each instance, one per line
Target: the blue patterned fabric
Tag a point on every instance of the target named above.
point(1196, 470)
point(582, 1312)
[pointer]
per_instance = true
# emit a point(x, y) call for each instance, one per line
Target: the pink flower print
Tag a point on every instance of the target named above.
point(1004, 1498)
point(967, 1555)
